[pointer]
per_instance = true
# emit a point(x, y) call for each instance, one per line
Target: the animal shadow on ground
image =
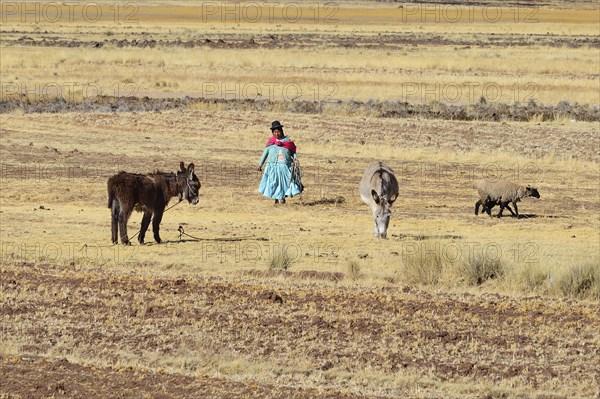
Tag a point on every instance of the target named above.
point(524, 216)
point(533, 216)
point(325, 201)
point(421, 237)
point(196, 239)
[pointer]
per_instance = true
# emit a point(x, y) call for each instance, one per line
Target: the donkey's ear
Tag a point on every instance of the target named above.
point(375, 196)
point(393, 198)
point(181, 166)
point(191, 168)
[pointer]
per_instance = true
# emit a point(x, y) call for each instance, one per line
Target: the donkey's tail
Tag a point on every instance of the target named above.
point(111, 196)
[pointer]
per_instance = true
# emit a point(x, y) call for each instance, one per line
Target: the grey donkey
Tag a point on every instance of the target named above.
point(379, 190)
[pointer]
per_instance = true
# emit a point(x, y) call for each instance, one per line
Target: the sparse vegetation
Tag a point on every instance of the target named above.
point(280, 259)
point(353, 269)
point(478, 269)
point(536, 280)
point(582, 281)
point(423, 268)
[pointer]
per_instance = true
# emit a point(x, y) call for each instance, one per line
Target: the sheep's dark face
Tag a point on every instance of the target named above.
point(533, 192)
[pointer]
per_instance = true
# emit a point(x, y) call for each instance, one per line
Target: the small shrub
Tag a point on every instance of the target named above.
point(390, 279)
point(535, 280)
point(280, 259)
point(581, 282)
point(479, 269)
point(436, 107)
point(531, 103)
point(354, 270)
point(560, 118)
point(423, 268)
point(536, 118)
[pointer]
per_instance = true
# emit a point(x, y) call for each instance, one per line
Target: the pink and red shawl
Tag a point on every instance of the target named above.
point(282, 143)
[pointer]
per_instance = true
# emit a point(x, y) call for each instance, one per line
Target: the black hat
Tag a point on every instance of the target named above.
point(276, 125)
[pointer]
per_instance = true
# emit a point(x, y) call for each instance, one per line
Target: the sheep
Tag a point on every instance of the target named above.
point(502, 192)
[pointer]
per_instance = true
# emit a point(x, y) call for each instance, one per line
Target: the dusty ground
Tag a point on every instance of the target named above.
point(290, 334)
point(203, 315)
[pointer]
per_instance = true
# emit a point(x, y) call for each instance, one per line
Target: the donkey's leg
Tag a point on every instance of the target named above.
point(158, 214)
point(145, 224)
point(114, 225)
point(123, 218)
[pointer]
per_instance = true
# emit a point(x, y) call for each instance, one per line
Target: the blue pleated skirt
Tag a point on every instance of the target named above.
point(276, 183)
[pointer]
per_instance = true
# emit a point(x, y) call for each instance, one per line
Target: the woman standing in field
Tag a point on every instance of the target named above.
point(281, 177)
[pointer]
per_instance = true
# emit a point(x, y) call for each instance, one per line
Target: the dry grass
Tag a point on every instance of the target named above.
point(418, 75)
point(202, 312)
point(581, 281)
point(54, 216)
point(464, 69)
point(280, 258)
point(322, 335)
point(68, 164)
point(328, 17)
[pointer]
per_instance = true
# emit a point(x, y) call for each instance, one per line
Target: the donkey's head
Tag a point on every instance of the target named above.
point(189, 183)
point(382, 211)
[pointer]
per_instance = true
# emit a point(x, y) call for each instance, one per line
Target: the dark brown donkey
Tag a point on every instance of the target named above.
point(150, 194)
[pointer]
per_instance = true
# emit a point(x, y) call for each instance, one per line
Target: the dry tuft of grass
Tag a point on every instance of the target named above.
point(353, 270)
point(280, 259)
point(535, 279)
point(423, 268)
point(478, 269)
point(581, 281)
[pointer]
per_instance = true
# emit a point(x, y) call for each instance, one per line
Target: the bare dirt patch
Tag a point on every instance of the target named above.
point(296, 328)
point(39, 377)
